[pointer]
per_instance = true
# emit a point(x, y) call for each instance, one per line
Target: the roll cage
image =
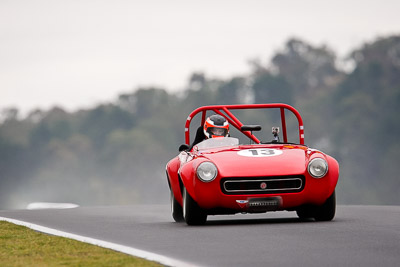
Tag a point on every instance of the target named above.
point(225, 111)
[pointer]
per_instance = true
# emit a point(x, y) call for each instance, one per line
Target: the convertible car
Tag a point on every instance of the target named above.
point(221, 176)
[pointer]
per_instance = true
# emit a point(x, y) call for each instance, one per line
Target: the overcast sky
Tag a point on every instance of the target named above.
point(78, 53)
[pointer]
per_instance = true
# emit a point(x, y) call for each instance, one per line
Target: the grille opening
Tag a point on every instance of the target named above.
point(262, 185)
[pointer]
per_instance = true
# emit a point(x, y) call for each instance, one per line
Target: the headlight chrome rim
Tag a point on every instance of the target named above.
point(315, 166)
point(207, 171)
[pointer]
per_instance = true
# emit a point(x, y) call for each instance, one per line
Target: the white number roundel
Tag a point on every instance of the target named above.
point(259, 152)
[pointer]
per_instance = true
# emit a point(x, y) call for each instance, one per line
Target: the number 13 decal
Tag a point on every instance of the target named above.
point(259, 152)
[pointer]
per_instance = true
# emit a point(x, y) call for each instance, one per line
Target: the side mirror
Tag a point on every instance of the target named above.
point(183, 147)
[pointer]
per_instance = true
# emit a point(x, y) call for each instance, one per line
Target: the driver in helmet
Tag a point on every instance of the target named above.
point(216, 126)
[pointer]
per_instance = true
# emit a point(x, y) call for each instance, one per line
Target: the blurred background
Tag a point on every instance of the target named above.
point(94, 94)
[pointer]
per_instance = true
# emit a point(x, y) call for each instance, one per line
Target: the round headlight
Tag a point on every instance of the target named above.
point(317, 168)
point(207, 171)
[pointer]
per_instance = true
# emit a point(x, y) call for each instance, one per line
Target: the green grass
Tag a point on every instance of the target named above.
point(21, 246)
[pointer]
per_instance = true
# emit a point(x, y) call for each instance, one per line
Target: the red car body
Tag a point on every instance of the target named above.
point(250, 178)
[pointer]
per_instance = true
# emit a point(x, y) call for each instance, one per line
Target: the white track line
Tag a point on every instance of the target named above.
point(49, 205)
point(124, 249)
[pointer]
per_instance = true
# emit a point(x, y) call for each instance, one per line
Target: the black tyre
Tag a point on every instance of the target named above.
point(176, 209)
point(306, 212)
point(327, 211)
point(193, 214)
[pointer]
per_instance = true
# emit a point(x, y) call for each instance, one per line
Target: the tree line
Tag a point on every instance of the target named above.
point(116, 153)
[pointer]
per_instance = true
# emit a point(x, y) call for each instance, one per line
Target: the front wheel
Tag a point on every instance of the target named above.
point(193, 214)
point(325, 212)
point(176, 209)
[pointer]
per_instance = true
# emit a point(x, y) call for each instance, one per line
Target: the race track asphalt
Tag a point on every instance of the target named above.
point(358, 236)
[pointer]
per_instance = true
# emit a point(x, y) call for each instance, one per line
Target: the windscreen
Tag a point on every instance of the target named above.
point(218, 142)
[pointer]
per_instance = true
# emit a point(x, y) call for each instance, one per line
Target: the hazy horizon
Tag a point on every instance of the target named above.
point(77, 54)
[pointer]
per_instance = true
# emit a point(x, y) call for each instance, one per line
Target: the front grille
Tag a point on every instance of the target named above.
point(262, 185)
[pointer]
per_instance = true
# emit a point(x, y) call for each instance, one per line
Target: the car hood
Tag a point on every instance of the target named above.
point(258, 160)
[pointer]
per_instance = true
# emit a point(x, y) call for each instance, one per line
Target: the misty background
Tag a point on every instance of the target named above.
point(94, 97)
point(116, 153)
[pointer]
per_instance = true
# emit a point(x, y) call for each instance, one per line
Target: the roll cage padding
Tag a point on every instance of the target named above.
point(225, 111)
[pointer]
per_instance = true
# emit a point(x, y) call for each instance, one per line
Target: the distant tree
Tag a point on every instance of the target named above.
point(36, 115)
point(367, 120)
point(373, 88)
point(377, 69)
point(197, 81)
point(232, 91)
point(8, 114)
point(17, 160)
point(200, 91)
point(54, 124)
point(307, 68)
point(269, 88)
point(98, 123)
point(147, 101)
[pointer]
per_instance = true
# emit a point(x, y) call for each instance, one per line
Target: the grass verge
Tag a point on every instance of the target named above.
point(21, 246)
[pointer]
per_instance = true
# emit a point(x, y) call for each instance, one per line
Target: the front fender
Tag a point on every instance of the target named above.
point(173, 178)
point(188, 176)
point(333, 172)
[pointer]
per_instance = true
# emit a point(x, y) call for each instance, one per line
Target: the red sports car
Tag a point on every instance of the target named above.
point(214, 176)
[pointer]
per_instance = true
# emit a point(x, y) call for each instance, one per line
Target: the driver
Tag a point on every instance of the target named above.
point(216, 126)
